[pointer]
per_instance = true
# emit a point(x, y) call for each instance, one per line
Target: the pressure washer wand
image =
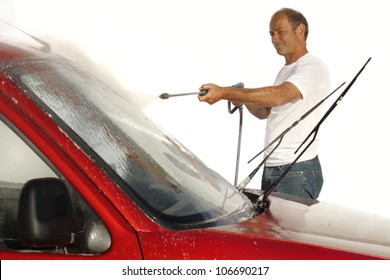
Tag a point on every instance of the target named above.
point(201, 93)
point(231, 111)
point(167, 95)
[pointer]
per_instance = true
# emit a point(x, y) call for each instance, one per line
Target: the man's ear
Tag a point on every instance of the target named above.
point(300, 30)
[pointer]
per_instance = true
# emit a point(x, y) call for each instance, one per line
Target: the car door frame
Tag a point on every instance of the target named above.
point(63, 154)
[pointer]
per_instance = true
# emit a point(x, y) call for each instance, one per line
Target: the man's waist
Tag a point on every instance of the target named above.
point(277, 159)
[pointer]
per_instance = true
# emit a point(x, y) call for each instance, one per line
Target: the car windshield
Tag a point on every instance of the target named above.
point(152, 168)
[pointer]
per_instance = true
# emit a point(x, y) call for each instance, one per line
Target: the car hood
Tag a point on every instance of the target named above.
point(319, 223)
point(291, 228)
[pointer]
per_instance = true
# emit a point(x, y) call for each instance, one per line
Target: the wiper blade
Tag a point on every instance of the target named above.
point(45, 45)
point(279, 139)
point(263, 203)
point(316, 128)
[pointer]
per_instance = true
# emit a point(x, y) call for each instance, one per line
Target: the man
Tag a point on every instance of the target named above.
point(301, 83)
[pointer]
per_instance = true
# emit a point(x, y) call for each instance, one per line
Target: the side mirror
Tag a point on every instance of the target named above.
point(45, 215)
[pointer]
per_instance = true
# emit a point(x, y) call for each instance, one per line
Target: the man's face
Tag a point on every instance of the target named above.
point(283, 36)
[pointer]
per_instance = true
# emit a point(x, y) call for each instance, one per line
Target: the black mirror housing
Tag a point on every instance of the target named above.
point(45, 215)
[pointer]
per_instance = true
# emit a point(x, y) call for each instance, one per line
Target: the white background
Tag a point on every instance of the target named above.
point(148, 47)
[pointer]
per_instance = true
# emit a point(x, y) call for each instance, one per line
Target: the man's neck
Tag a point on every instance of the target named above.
point(295, 56)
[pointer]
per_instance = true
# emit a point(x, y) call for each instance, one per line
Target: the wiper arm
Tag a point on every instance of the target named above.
point(263, 203)
point(317, 127)
point(279, 139)
point(45, 45)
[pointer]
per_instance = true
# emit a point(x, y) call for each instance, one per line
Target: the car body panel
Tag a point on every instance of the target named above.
point(288, 230)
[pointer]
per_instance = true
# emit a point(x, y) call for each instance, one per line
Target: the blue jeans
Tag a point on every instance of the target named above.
point(304, 179)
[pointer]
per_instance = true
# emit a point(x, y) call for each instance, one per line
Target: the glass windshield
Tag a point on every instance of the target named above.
point(163, 178)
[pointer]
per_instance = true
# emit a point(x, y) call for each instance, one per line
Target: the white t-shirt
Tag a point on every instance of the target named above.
point(311, 77)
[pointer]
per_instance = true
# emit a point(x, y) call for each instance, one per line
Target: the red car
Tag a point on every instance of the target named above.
point(85, 175)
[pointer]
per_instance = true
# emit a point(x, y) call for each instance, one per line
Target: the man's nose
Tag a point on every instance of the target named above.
point(274, 36)
point(275, 39)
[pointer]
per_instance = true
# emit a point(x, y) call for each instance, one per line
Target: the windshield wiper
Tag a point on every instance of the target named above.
point(279, 139)
point(263, 203)
point(45, 45)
